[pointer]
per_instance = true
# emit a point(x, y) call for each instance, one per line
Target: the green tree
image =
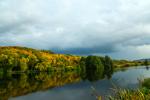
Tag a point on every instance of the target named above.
point(83, 67)
point(94, 68)
point(146, 62)
point(108, 66)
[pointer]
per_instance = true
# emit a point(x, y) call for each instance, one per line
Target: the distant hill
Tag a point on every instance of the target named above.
point(25, 48)
point(148, 59)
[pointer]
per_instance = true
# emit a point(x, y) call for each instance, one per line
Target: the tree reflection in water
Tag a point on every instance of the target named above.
point(13, 85)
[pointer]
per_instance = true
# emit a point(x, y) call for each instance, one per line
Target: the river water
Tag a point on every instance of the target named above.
point(68, 86)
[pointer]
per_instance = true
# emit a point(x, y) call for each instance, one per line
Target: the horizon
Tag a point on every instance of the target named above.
point(116, 28)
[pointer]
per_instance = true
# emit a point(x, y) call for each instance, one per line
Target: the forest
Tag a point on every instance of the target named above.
point(27, 59)
point(23, 59)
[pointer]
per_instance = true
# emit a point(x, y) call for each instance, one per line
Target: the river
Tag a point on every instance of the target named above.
point(68, 86)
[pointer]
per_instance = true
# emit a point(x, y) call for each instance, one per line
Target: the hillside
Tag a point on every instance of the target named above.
point(148, 59)
point(15, 58)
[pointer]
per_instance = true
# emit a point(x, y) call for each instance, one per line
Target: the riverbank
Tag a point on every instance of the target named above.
point(143, 93)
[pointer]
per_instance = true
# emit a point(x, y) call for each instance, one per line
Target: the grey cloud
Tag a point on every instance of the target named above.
point(87, 51)
point(75, 26)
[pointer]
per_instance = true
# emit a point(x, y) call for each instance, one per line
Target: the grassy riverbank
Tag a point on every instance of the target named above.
point(127, 63)
point(143, 93)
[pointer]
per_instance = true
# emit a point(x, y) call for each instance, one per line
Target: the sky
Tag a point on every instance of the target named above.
point(118, 28)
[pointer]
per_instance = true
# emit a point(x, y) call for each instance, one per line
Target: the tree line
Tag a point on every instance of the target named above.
point(96, 66)
point(27, 59)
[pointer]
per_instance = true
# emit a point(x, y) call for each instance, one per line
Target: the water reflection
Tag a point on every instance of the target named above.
point(147, 67)
point(39, 86)
point(13, 85)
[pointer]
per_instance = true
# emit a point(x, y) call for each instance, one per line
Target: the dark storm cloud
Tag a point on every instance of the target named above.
point(87, 51)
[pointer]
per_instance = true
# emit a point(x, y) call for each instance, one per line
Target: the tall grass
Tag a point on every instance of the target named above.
point(140, 94)
point(126, 94)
